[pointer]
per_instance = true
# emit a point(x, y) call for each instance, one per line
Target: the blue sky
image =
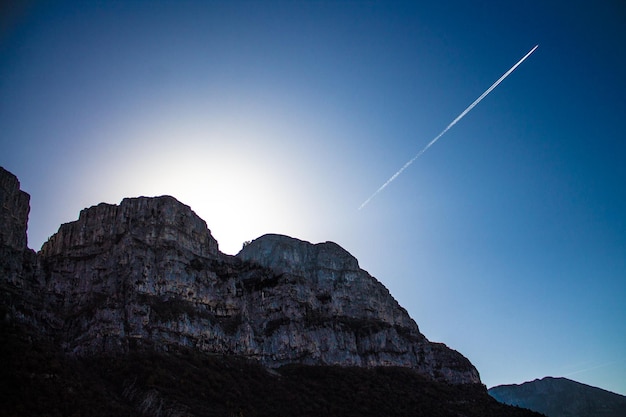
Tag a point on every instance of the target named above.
point(506, 240)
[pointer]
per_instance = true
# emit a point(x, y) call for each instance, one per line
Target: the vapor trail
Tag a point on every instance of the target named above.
point(459, 117)
point(592, 368)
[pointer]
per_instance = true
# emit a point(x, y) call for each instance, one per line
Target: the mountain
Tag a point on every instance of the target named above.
point(132, 309)
point(561, 397)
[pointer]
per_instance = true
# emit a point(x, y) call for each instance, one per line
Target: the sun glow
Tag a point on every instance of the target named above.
point(233, 175)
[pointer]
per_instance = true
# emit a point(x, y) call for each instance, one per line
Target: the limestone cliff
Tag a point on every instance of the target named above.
point(17, 260)
point(21, 292)
point(14, 208)
point(148, 273)
point(339, 314)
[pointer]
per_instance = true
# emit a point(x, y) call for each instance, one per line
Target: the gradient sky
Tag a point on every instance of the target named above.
point(506, 240)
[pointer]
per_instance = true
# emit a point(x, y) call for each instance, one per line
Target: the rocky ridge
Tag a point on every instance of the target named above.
point(561, 397)
point(148, 273)
point(133, 310)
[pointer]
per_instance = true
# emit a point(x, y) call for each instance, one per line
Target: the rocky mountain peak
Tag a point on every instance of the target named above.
point(290, 255)
point(148, 274)
point(150, 220)
point(14, 209)
point(561, 397)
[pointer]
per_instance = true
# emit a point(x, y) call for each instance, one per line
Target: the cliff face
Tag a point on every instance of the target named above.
point(14, 208)
point(21, 292)
point(16, 260)
point(339, 314)
point(148, 273)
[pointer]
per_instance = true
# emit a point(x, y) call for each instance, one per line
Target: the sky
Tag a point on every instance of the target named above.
point(506, 240)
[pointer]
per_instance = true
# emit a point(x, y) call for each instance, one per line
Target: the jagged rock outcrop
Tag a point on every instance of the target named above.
point(14, 208)
point(148, 273)
point(16, 261)
point(21, 293)
point(339, 314)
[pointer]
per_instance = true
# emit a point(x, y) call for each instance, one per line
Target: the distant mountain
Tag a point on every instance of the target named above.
point(132, 310)
point(562, 397)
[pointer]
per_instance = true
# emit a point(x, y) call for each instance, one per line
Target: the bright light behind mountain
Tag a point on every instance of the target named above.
point(222, 165)
point(284, 116)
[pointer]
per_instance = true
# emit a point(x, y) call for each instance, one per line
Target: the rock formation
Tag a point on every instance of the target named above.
point(14, 208)
point(338, 313)
point(148, 273)
point(133, 310)
point(21, 292)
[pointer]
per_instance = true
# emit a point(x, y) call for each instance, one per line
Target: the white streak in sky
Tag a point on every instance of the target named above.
point(592, 368)
point(459, 117)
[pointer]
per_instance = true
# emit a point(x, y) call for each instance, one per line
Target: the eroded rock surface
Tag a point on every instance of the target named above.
point(14, 208)
point(339, 314)
point(148, 273)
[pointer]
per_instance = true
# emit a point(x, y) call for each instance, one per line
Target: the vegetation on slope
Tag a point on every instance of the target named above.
point(37, 379)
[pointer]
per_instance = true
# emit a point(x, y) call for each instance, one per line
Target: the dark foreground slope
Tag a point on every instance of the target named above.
point(38, 380)
point(132, 310)
point(562, 397)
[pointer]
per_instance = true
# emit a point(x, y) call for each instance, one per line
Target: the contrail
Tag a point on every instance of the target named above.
point(592, 368)
point(459, 117)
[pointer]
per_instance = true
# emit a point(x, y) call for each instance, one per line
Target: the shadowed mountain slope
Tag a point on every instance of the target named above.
point(132, 309)
point(561, 397)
